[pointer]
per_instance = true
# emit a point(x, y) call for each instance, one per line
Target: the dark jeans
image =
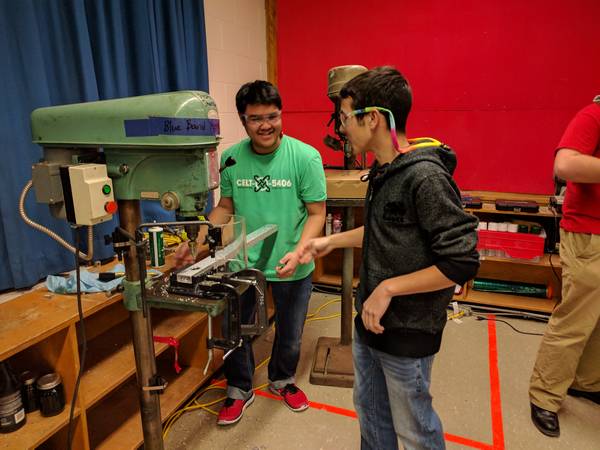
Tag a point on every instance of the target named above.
point(291, 305)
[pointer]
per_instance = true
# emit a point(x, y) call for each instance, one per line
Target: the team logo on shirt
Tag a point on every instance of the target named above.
point(263, 184)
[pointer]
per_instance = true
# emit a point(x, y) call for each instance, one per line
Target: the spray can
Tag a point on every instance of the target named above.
point(328, 224)
point(157, 251)
point(337, 224)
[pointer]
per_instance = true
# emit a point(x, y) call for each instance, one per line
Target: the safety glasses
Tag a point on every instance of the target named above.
point(345, 116)
point(256, 121)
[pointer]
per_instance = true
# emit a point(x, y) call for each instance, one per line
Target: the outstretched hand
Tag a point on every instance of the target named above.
point(314, 248)
point(183, 256)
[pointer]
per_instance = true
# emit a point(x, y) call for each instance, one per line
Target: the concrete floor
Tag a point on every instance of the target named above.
point(480, 408)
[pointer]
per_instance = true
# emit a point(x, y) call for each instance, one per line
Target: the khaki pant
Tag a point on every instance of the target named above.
point(569, 355)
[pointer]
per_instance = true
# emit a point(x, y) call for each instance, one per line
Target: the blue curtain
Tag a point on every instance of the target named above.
point(69, 51)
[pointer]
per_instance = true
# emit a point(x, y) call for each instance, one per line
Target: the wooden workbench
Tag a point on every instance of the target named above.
point(38, 331)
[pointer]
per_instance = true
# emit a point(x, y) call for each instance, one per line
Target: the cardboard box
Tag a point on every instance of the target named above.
point(345, 183)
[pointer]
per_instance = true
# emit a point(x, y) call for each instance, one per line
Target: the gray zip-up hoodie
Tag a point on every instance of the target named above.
point(414, 219)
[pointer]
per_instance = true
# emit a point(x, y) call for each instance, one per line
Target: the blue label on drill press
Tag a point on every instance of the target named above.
point(171, 126)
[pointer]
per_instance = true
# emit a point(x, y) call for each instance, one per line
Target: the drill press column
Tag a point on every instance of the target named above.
point(143, 344)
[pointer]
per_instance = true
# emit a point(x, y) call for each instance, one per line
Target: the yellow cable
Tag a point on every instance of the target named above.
point(318, 310)
point(193, 404)
point(262, 363)
point(333, 316)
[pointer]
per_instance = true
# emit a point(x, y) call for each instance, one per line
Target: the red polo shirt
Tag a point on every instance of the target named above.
point(581, 208)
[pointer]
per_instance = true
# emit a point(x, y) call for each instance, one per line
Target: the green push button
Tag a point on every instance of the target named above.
point(106, 189)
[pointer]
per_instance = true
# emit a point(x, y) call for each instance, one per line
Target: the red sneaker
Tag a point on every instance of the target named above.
point(233, 410)
point(293, 397)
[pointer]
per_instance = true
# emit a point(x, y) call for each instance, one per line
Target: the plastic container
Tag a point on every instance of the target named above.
point(12, 413)
point(511, 245)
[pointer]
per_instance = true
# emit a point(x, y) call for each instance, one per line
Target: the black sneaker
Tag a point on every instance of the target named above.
point(592, 396)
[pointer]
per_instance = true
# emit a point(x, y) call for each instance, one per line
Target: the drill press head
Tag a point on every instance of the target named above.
point(155, 147)
point(337, 77)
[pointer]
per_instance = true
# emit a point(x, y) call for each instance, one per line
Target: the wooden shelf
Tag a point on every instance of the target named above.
point(509, 301)
point(31, 318)
point(490, 208)
point(111, 354)
point(118, 424)
point(545, 261)
point(333, 280)
point(36, 430)
point(38, 331)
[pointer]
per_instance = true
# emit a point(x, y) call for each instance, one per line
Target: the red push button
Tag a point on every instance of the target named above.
point(110, 207)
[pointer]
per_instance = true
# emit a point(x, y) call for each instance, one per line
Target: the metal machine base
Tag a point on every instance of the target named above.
point(332, 363)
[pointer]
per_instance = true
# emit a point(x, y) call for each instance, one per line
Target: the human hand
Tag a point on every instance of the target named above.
point(288, 265)
point(314, 248)
point(183, 256)
point(375, 307)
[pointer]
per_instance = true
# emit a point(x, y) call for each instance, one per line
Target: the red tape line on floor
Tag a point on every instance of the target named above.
point(495, 398)
point(315, 405)
point(467, 442)
point(352, 414)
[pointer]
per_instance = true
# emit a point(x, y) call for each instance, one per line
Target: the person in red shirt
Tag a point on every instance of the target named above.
point(568, 360)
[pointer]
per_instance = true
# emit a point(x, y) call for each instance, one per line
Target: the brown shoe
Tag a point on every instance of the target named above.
point(545, 421)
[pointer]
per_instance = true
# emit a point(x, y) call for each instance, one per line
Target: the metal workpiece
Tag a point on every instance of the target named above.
point(225, 254)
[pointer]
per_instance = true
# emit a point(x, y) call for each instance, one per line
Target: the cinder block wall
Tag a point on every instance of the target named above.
point(237, 53)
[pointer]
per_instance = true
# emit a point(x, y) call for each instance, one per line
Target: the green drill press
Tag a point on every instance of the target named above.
point(107, 154)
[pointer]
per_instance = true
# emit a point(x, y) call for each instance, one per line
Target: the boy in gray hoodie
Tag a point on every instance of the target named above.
point(417, 244)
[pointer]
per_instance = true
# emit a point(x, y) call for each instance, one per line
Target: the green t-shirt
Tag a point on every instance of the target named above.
point(273, 189)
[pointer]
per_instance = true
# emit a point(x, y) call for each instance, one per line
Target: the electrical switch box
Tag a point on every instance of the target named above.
point(88, 194)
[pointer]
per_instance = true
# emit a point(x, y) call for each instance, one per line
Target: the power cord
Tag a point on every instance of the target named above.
point(465, 311)
point(505, 322)
point(83, 339)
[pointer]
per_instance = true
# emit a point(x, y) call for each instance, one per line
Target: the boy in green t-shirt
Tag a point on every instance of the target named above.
point(280, 180)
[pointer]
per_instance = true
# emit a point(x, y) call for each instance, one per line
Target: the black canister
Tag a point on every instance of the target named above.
point(28, 391)
point(51, 394)
point(12, 413)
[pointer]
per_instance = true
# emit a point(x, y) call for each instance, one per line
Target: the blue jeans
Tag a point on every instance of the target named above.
point(392, 400)
point(291, 305)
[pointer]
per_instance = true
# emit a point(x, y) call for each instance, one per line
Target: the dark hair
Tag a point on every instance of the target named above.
point(257, 92)
point(382, 86)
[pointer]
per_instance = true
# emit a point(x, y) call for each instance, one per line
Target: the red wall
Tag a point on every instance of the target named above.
point(497, 80)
